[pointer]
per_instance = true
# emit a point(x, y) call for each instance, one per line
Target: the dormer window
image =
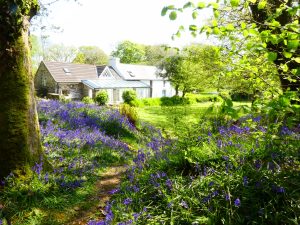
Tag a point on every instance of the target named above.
point(67, 71)
point(131, 73)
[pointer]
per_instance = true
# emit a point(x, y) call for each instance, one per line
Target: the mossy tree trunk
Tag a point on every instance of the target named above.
point(19, 130)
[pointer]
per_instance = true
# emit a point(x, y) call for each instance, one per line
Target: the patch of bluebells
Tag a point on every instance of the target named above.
point(242, 168)
point(69, 127)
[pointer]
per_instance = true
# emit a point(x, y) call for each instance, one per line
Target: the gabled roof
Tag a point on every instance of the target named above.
point(103, 84)
point(75, 73)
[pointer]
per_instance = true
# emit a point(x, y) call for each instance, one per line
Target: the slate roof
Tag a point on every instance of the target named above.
point(102, 84)
point(75, 73)
point(137, 72)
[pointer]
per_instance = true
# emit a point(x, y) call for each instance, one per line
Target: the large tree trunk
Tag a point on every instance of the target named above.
point(19, 130)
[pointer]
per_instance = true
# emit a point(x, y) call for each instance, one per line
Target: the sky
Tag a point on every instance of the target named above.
point(105, 23)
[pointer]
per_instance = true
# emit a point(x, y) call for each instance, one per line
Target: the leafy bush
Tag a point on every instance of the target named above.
point(87, 100)
point(146, 102)
point(173, 101)
point(101, 98)
point(225, 95)
point(240, 96)
point(129, 96)
point(130, 112)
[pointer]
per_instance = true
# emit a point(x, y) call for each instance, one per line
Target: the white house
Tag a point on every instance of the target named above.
point(76, 81)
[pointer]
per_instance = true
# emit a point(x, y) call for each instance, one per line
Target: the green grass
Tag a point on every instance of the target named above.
point(167, 117)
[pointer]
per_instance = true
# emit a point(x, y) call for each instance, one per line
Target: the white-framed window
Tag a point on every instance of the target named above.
point(164, 93)
point(164, 83)
point(44, 81)
point(106, 74)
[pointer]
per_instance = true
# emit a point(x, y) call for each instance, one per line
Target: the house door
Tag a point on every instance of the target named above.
point(116, 95)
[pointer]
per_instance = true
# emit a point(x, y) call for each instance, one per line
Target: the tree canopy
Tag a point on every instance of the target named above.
point(91, 55)
point(194, 68)
point(269, 29)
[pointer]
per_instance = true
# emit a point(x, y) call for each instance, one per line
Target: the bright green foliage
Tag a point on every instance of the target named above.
point(87, 100)
point(129, 96)
point(262, 28)
point(60, 53)
point(195, 67)
point(130, 112)
point(91, 55)
point(129, 52)
point(101, 97)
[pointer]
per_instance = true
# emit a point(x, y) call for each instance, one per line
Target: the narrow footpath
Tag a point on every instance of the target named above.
point(109, 180)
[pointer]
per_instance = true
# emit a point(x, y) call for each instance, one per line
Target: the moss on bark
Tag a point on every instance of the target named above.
point(19, 131)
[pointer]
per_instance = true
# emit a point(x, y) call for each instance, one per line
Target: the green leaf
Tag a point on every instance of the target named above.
point(164, 11)
point(234, 3)
point(216, 30)
point(201, 5)
point(297, 59)
point(245, 33)
point(173, 15)
point(188, 5)
point(214, 23)
point(287, 54)
point(293, 44)
point(230, 27)
point(262, 4)
point(216, 14)
point(272, 56)
point(193, 28)
point(215, 5)
point(181, 28)
point(243, 25)
point(178, 34)
point(275, 23)
point(195, 14)
point(284, 68)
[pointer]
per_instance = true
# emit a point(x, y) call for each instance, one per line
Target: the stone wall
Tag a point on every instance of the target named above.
point(44, 82)
point(72, 91)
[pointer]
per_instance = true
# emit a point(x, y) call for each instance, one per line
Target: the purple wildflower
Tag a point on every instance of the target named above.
point(184, 204)
point(127, 201)
point(227, 197)
point(245, 181)
point(169, 184)
point(237, 202)
point(46, 177)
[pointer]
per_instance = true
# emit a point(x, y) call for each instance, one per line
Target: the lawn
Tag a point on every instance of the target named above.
point(166, 117)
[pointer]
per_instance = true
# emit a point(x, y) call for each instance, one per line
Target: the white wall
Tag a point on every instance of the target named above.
point(159, 86)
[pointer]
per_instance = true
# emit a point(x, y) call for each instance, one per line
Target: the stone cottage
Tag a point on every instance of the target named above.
point(76, 81)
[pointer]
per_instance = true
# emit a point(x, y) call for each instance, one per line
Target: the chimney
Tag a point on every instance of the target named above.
point(114, 62)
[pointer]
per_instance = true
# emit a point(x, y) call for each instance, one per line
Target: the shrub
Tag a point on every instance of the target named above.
point(101, 98)
point(129, 96)
point(87, 100)
point(175, 100)
point(130, 112)
point(224, 95)
point(146, 102)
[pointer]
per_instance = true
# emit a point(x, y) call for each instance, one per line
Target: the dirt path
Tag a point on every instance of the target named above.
point(109, 180)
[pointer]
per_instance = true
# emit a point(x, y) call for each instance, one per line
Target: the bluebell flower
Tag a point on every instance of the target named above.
point(237, 202)
point(169, 183)
point(184, 204)
point(127, 201)
point(46, 177)
point(227, 197)
point(245, 181)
